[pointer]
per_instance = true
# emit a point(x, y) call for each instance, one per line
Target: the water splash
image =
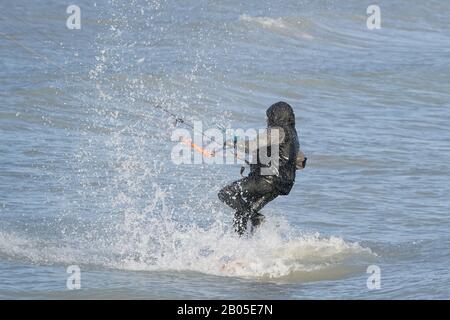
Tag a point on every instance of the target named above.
point(153, 241)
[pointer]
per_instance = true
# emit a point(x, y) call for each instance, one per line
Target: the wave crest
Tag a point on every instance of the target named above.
point(275, 252)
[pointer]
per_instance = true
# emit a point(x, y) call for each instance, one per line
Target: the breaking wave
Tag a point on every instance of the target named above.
point(284, 26)
point(276, 252)
point(264, 21)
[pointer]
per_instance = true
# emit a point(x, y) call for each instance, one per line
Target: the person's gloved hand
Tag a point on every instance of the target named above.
point(300, 161)
point(304, 163)
point(230, 143)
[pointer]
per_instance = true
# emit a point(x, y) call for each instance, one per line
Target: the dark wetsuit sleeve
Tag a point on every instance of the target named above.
point(264, 139)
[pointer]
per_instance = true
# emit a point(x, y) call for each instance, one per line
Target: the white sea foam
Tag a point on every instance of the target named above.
point(276, 251)
point(283, 26)
point(264, 21)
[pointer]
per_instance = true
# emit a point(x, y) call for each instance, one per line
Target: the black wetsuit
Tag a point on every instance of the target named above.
point(249, 195)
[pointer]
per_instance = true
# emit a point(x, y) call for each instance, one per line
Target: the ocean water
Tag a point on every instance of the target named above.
point(86, 176)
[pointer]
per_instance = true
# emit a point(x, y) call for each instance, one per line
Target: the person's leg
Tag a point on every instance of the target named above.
point(233, 195)
point(256, 217)
point(262, 201)
point(241, 222)
point(247, 196)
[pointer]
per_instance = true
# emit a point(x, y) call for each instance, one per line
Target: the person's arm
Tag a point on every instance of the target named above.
point(261, 141)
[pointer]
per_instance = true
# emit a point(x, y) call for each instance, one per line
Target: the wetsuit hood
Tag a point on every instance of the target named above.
point(280, 114)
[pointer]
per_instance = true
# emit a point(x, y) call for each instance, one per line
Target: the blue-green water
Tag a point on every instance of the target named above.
point(86, 176)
